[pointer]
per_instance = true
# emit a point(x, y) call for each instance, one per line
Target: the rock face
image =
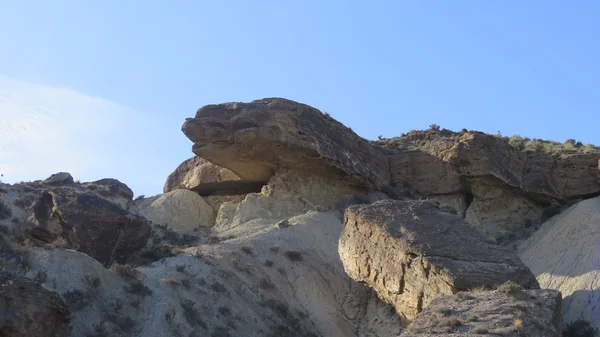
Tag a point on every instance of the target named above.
point(180, 209)
point(59, 179)
point(29, 310)
point(254, 139)
point(504, 187)
point(491, 313)
point(200, 175)
point(563, 254)
point(88, 223)
point(411, 253)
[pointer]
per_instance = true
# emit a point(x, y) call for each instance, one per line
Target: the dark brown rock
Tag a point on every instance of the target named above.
point(89, 224)
point(200, 175)
point(410, 252)
point(491, 313)
point(29, 310)
point(254, 139)
point(59, 179)
point(109, 186)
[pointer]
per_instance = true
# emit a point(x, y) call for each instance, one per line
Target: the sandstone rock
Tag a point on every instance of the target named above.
point(180, 209)
point(29, 310)
point(59, 179)
point(88, 223)
point(508, 188)
point(200, 175)
point(411, 253)
point(110, 186)
point(215, 201)
point(563, 254)
point(491, 313)
point(254, 139)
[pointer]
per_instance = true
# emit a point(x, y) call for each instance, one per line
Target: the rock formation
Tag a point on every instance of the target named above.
point(410, 253)
point(87, 223)
point(494, 185)
point(29, 310)
point(254, 139)
point(179, 209)
point(250, 237)
point(200, 175)
point(491, 313)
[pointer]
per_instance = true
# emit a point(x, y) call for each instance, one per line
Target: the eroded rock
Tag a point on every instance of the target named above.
point(411, 253)
point(29, 310)
point(254, 139)
point(200, 175)
point(179, 209)
point(508, 187)
point(563, 254)
point(491, 313)
point(88, 223)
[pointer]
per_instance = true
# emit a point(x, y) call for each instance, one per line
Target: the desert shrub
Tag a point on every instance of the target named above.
point(180, 268)
point(580, 328)
point(123, 323)
point(137, 287)
point(551, 211)
point(268, 263)
point(266, 284)
point(4, 229)
point(479, 330)
point(510, 288)
point(294, 255)
point(124, 270)
point(225, 311)
point(517, 324)
point(247, 249)
point(76, 299)
point(5, 211)
point(140, 197)
point(220, 332)
point(191, 314)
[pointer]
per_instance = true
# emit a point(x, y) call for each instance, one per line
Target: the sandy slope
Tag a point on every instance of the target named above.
point(565, 255)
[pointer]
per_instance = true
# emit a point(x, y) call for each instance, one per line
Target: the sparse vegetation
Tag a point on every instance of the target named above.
point(510, 288)
point(517, 324)
point(126, 271)
point(247, 249)
point(294, 255)
point(424, 139)
point(138, 287)
point(5, 211)
point(480, 330)
point(191, 314)
point(580, 328)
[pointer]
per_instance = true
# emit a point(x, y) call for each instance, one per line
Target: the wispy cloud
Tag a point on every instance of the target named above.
point(44, 130)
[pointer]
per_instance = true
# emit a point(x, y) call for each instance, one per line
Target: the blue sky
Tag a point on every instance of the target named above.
point(380, 67)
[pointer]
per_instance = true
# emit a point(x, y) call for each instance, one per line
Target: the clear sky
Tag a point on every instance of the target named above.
point(101, 88)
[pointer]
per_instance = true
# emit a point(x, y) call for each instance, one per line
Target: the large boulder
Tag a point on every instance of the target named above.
point(254, 139)
point(563, 254)
point(88, 223)
point(491, 313)
point(179, 209)
point(29, 310)
point(410, 252)
point(112, 190)
point(59, 179)
point(200, 175)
